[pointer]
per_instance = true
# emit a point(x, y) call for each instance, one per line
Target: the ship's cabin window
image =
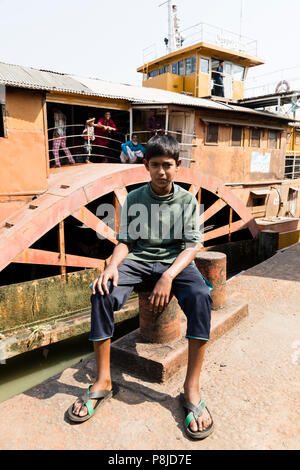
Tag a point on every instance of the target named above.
point(273, 139)
point(297, 139)
point(258, 201)
point(238, 73)
point(228, 68)
point(236, 137)
point(175, 68)
point(204, 65)
point(212, 134)
point(255, 137)
point(180, 68)
point(190, 65)
point(162, 70)
point(152, 74)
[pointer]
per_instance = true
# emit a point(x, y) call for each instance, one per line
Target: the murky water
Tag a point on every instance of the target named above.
point(27, 370)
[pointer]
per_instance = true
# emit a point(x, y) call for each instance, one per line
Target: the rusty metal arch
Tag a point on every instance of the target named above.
point(71, 189)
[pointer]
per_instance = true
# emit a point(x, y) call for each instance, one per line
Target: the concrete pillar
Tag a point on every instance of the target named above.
point(212, 266)
point(159, 328)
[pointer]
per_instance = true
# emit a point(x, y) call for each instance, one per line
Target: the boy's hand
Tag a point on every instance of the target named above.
point(111, 272)
point(160, 296)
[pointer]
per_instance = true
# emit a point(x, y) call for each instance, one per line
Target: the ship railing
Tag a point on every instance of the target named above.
point(282, 80)
point(292, 164)
point(204, 32)
point(88, 148)
point(178, 135)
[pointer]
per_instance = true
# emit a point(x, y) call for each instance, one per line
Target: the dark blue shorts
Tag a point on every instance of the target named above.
point(189, 288)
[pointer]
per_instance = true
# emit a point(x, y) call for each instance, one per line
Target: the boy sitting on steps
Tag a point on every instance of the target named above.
point(144, 253)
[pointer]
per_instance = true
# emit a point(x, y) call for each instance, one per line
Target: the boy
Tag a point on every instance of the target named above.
point(132, 151)
point(89, 136)
point(166, 260)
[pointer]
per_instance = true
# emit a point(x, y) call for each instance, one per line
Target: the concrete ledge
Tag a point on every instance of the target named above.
point(42, 334)
point(157, 362)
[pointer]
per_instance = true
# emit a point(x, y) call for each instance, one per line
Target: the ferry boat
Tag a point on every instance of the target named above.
point(53, 239)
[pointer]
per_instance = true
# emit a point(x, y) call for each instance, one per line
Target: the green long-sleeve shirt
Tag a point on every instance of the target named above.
point(159, 228)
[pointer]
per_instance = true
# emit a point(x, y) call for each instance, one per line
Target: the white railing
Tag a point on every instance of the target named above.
point(84, 150)
point(267, 83)
point(88, 148)
point(203, 32)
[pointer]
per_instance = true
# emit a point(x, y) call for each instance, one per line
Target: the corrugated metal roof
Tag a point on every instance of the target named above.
point(27, 77)
point(144, 95)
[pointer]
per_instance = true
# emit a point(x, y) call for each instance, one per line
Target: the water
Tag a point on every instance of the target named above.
point(29, 369)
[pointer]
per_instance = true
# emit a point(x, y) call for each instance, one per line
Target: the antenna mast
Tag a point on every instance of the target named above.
point(241, 20)
point(174, 40)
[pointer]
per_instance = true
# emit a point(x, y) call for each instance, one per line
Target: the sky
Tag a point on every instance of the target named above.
point(105, 39)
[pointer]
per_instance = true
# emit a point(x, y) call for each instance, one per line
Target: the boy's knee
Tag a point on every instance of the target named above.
point(198, 291)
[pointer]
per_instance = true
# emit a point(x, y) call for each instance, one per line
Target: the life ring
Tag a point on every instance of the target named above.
point(281, 84)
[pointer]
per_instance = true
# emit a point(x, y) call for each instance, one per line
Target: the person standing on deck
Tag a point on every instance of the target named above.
point(218, 80)
point(154, 124)
point(59, 137)
point(104, 127)
point(89, 137)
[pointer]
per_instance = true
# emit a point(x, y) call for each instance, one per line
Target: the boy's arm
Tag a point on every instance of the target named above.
point(111, 271)
point(160, 295)
point(119, 254)
point(182, 261)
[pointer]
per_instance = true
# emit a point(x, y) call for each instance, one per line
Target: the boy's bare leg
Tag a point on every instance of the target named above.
point(103, 379)
point(196, 353)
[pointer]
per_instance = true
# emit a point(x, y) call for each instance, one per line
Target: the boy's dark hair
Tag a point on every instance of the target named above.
point(162, 145)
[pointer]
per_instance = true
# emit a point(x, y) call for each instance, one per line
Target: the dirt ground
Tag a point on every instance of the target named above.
point(250, 381)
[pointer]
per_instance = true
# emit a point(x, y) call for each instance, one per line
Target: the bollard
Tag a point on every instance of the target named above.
point(161, 328)
point(268, 242)
point(212, 266)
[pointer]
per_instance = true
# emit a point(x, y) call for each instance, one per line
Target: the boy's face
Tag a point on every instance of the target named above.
point(162, 170)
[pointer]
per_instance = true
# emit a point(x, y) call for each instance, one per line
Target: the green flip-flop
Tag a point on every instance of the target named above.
point(194, 412)
point(101, 396)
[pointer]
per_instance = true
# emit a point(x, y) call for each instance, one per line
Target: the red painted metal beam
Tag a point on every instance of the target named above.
point(88, 218)
point(32, 256)
point(220, 232)
point(71, 189)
